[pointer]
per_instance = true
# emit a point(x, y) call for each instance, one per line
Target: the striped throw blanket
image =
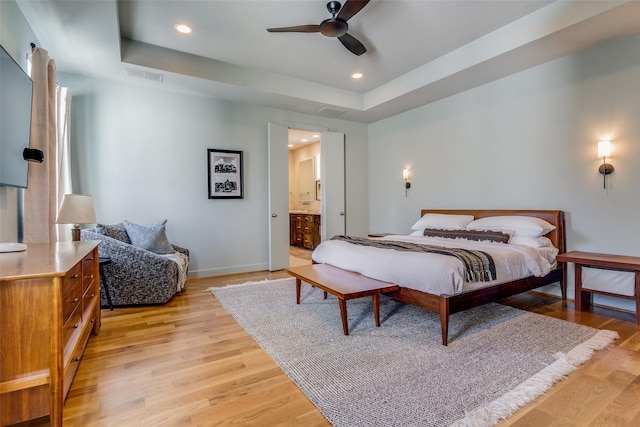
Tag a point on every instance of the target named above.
point(479, 266)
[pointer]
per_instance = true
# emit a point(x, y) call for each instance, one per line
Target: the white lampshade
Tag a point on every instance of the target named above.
point(76, 209)
point(604, 149)
point(405, 174)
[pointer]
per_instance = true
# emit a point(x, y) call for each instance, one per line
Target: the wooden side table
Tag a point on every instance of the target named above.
point(584, 297)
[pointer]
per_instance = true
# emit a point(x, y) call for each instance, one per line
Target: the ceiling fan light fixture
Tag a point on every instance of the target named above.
point(357, 76)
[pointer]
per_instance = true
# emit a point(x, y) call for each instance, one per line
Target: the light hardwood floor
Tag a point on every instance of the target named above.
point(188, 363)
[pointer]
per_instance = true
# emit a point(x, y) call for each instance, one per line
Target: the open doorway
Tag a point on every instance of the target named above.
point(305, 202)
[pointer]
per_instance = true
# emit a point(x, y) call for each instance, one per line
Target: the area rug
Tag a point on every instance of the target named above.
point(498, 358)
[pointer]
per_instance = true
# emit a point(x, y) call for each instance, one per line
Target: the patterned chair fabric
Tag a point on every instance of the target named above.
point(135, 276)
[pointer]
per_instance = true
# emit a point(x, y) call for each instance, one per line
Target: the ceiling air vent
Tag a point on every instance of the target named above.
point(331, 112)
point(146, 75)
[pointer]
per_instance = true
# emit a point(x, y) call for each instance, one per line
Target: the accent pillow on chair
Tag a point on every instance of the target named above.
point(152, 238)
point(115, 231)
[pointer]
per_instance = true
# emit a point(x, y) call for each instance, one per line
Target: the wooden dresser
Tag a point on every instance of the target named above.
point(304, 230)
point(49, 305)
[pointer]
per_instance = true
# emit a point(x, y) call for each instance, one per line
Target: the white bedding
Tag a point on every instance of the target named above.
point(434, 273)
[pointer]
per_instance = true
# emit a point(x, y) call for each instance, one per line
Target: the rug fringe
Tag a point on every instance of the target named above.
point(491, 413)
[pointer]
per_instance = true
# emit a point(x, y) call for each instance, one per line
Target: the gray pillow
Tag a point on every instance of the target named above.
point(152, 238)
point(115, 231)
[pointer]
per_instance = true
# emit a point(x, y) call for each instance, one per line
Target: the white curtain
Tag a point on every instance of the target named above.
point(63, 144)
point(48, 181)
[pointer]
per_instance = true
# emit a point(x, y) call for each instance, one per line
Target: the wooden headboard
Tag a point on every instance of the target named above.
point(556, 218)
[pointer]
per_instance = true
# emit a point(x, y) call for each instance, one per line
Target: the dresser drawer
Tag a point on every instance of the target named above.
point(70, 370)
point(88, 299)
point(72, 279)
point(71, 326)
point(308, 241)
point(71, 300)
point(88, 272)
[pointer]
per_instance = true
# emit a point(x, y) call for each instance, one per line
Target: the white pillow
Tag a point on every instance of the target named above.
point(534, 242)
point(523, 226)
point(442, 222)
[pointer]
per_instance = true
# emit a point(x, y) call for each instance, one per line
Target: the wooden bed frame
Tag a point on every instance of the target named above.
point(445, 305)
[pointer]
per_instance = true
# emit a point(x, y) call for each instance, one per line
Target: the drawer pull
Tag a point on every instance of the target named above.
point(76, 326)
point(75, 276)
point(75, 300)
point(92, 320)
point(77, 359)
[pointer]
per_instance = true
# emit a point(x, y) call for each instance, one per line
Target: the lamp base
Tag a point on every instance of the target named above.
point(75, 234)
point(606, 168)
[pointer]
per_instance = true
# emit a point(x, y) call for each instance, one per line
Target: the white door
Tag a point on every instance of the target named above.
point(332, 171)
point(278, 197)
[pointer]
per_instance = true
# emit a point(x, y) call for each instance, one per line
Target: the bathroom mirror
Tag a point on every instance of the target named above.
point(306, 180)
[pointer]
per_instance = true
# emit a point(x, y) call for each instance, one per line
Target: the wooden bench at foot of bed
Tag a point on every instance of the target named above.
point(345, 285)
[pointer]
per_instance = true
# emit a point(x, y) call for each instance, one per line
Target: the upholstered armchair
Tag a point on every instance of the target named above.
point(136, 275)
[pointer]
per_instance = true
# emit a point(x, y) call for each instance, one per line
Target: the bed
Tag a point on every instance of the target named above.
point(445, 294)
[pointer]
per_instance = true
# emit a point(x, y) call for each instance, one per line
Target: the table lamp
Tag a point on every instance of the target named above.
point(76, 209)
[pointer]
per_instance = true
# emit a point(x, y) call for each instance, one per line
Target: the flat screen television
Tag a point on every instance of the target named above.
point(16, 90)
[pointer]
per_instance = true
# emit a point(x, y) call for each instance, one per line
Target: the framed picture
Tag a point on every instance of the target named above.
point(225, 174)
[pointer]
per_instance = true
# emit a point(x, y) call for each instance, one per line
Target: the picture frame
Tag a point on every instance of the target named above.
point(225, 174)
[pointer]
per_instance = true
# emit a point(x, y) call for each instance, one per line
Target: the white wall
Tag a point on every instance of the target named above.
point(141, 153)
point(523, 142)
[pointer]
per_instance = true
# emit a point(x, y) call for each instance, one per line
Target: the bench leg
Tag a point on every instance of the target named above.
point(298, 283)
point(343, 314)
point(375, 299)
point(325, 294)
point(583, 298)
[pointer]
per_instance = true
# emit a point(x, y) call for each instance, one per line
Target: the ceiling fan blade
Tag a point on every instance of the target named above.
point(352, 44)
point(350, 8)
point(296, 29)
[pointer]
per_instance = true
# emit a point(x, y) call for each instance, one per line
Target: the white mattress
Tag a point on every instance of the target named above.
point(434, 273)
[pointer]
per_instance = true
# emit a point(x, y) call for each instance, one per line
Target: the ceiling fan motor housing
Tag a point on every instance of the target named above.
point(334, 27)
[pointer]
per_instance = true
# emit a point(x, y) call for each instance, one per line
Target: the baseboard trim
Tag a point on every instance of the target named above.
point(198, 274)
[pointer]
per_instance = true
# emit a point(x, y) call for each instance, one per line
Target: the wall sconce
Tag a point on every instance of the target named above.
point(76, 209)
point(406, 176)
point(604, 151)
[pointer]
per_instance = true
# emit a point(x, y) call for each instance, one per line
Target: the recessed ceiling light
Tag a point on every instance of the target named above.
point(305, 140)
point(183, 28)
point(316, 135)
point(357, 75)
point(290, 145)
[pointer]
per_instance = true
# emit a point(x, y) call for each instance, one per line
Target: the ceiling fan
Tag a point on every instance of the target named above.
point(336, 26)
